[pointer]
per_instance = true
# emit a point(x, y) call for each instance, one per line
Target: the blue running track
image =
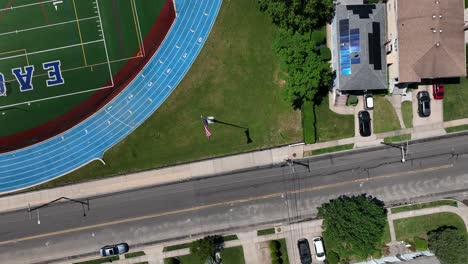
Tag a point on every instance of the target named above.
point(90, 139)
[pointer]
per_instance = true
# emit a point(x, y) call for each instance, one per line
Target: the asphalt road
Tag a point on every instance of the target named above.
point(237, 201)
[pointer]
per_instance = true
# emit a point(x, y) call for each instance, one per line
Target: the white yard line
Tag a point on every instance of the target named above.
point(46, 26)
point(21, 6)
point(105, 44)
point(48, 50)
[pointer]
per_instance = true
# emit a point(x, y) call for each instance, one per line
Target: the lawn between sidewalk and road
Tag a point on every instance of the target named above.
point(235, 79)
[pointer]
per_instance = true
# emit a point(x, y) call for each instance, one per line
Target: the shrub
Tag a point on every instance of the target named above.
point(325, 53)
point(333, 258)
point(420, 244)
point(352, 100)
point(319, 37)
point(172, 261)
point(274, 245)
point(275, 252)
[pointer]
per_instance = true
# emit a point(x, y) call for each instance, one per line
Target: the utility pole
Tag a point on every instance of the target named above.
point(403, 148)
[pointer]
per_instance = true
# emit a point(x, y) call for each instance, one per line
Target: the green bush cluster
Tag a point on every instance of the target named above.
point(172, 261)
point(333, 257)
point(319, 37)
point(325, 53)
point(275, 252)
point(352, 100)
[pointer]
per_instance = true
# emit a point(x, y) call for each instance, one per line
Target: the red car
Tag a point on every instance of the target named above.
point(438, 91)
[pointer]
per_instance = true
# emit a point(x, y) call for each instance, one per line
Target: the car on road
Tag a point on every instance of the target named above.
point(319, 249)
point(304, 251)
point(364, 123)
point(368, 102)
point(438, 91)
point(424, 104)
point(116, 249)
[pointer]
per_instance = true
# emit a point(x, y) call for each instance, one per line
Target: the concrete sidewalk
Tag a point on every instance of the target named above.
point(200, 169)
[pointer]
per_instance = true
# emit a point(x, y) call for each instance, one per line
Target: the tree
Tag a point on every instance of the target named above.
point(299, 15)
point(353, 226)
point(307, 73)
point(205, 248)
point(449, 245)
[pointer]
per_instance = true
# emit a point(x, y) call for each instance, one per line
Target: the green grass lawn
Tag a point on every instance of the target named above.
point(385, 118)
point(423, 205)
point(235, 79)
point(399, 138)
point(332, 126)
point(134, 254)
point(99, 261)
point(386, 238)
point(407, 112)
point(329, 150)
point(456, 128)
point(232, 255)
point(455, 106)
point(408, 228)
point(264, 232)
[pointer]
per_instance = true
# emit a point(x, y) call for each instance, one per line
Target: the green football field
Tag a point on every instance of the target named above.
point(92, 39)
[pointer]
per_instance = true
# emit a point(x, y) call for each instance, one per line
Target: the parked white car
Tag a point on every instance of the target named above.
point(319, 249)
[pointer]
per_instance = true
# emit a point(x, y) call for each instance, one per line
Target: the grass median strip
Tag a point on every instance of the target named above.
point(328, 150)
point(187, 245)
point(176, 247)
point(423, 205)
point(456, 128)
point(135, 254)
point(264, 232)
point(399, 138)
point(99, 261)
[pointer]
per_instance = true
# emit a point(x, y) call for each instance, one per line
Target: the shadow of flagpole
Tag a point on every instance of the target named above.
point(246, 129)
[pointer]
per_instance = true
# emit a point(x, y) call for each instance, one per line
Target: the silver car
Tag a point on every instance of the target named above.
point(116, 249)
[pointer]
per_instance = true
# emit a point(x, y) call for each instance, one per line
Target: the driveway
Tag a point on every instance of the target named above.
point(428, 126)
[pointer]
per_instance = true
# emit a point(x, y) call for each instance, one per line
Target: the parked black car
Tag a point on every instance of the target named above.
point(114, 249)
point(364, 123)
point(424, 104)
point(304, 251)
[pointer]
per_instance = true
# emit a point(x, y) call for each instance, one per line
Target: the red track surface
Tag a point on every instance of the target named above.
point(99, 99)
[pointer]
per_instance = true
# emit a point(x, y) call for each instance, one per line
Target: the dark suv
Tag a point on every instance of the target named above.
point(304, 251)
point(364, 123)
point(424, 104)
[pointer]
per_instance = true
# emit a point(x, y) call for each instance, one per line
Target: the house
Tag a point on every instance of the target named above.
point(425, 40)
point(358, 48)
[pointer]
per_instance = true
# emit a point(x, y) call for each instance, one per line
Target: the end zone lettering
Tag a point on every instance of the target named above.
point(24, 76)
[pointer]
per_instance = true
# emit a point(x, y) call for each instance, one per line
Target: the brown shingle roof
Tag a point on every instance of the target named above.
point(431, 40)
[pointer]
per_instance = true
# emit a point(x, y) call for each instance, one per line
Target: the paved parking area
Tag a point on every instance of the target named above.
point(432, 124)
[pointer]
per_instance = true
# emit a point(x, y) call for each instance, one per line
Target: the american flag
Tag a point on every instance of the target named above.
point(205, 124)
